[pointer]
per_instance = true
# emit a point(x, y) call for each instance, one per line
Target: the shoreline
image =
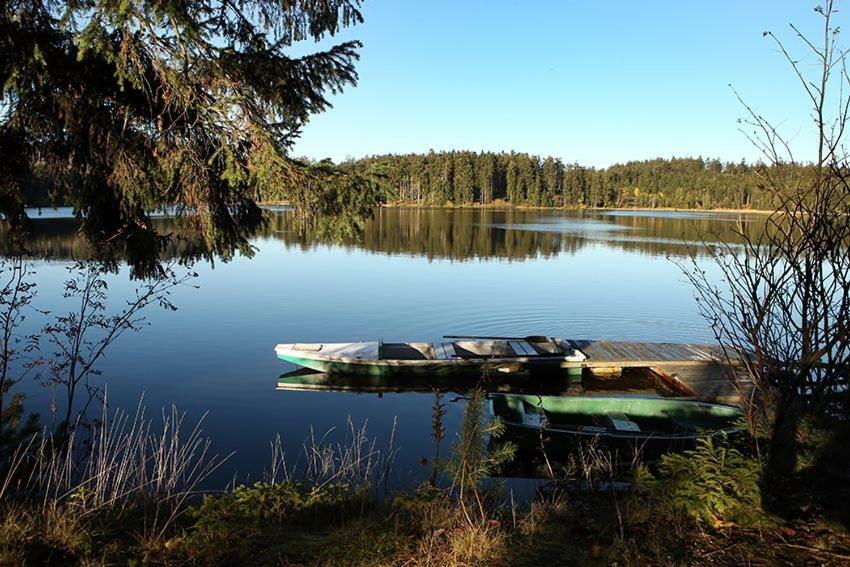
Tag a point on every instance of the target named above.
point(505, 206)
point(508, 206)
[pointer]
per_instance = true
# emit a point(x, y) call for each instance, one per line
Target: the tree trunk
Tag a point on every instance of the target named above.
point(782, 458)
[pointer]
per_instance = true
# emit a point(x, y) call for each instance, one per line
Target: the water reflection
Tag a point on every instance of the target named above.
point(557, 443)
point(409, 274)
point(632, 381)
point(455, 234)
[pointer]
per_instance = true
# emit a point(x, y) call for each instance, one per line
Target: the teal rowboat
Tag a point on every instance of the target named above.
point(474, 356)
point(612, 418)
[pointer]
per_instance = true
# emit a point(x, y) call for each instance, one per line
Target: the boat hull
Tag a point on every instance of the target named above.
point(561, 423)
point(435, 368)
point(438, 360)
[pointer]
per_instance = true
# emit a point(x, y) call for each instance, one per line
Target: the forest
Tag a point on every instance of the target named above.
point(521, 179)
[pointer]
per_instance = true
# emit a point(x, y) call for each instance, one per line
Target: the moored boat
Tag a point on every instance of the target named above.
point(653, 420)
point(460, 357)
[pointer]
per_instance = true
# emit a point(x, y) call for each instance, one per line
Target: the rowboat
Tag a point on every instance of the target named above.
point(461, 356)
point(565, 420)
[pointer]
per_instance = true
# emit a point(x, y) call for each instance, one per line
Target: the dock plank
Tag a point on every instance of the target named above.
point(631, 353)
point(655, 351)
point(631, 350)
point(615, 350)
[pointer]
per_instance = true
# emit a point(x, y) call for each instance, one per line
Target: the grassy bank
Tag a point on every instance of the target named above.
point(291, 524)
point(129, 496)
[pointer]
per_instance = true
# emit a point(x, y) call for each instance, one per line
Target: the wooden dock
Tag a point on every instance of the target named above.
point(601, 367)
point(688, 370)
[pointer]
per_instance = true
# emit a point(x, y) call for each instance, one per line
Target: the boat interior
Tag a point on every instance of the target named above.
point(685, 418)
point(607, 421)
point(472, 349)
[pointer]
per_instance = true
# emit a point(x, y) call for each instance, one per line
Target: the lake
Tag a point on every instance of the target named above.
point(411, 274)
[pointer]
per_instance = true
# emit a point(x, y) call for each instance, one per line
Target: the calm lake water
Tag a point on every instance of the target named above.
point(412, 274)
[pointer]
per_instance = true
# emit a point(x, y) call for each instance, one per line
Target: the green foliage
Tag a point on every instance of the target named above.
point(471, 460)
point(17, 427)
point(290, 521)
point(336, 200)
point(252, 506)
point(122, 108)
point(713, 483)
point(224, 527)
point(295, 523)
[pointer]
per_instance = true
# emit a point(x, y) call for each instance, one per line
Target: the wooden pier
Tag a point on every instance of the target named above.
point(600, 367)
point(687, 370)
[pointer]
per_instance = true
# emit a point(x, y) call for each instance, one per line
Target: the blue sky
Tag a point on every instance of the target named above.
point(592, 82)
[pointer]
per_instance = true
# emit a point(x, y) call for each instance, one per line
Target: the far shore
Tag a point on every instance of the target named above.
point(504, 205)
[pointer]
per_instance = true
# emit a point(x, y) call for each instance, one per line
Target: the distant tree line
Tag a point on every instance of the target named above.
point(434, 233)
point(465, 178)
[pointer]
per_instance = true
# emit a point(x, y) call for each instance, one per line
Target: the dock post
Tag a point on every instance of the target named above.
point(575, 383)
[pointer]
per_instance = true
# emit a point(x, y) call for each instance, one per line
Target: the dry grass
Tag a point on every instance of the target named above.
point(454, 541)
point(542, 511)
point(16, 528)
point(123, 465)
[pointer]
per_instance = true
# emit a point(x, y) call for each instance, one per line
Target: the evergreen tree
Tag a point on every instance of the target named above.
point(514, 192)
point(447, 178)
point(575, 186)
point(485, 171)
point(553, 180)
point(121, 108)
point(435, 176)
point(464, 179)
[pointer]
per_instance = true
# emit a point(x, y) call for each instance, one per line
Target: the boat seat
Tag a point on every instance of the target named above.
point(483, 349)
point(401, 351)
point(622, 422)
point(522, 348)
point(444, 351)
point(548, 348)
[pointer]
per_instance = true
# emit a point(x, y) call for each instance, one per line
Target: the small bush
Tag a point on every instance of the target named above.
point(230, 526)
point(265, 502)
point(713, 483)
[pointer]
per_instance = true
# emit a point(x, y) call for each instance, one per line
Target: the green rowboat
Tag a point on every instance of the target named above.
point(571, 418)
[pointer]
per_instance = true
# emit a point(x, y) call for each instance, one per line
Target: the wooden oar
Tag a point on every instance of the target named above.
point(529, 338)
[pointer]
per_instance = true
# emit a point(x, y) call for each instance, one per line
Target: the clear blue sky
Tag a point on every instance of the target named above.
point(593, 82)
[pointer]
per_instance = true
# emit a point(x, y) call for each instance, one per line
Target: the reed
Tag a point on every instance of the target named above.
point(122, 463)
point(355, 461)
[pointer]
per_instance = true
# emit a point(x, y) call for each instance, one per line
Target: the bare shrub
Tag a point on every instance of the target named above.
point(81, 337)
point(785, 292)
point(17, 291)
